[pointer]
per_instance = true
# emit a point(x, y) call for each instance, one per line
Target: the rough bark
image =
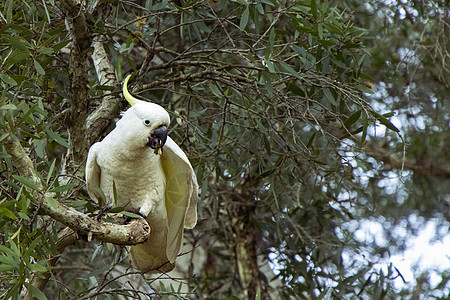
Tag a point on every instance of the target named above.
point(245, 250)
point(78, 90)
point(108, 109)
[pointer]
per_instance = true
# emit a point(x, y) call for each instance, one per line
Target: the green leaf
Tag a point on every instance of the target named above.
point(39, 147)
point(51, 201)
point(314, 8)
point(14, 248)
point(365, 89)
point(268, 2)
point(7, 213)
point(319, 162)
point(78, 203)
point(269, 66)
point(320, 30)
point(383, 120)
point(160, 5)
point(25, 118)
point(26, 182)
point(131, 215)
point(8, 106)
point(9, 9)
point(258, 294)
point(16, 233)
point(7, 79)
point(116, 209)
point(364, 131)
point(353, 118)
point(311, 139)
point(299, 50)
point(60, 45)
point(292, 86)
point(17, 42)
point(267, 173)
point(389, 114)
point(114, 192)
point(35, 292)
point(329, 97)
point(37, 268)
point(6, 267)
point(46, 11)
point(16, 58)
point(326, 65)
point(57, 138)
point(32, 246)
point(215, 90)
point(260, 8)
point(361, 60)
point(8, 252)
point(50, 171)
point(269, 49)
point(268, 83)
point(45, 50)
point(38, 67)
point(244, 19)
point(289, 69)
point(23, 216)
point(275, 198)
point(267, 145)
point(3, 136)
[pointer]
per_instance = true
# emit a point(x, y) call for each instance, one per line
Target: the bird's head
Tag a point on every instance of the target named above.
point(146, 123)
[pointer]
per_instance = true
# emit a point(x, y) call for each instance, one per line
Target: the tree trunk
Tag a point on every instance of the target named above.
point(245, 249)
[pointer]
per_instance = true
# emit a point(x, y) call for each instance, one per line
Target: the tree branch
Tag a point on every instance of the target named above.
point(242, 213)
point(98, 120)
point(425, 167)
point(81, 42)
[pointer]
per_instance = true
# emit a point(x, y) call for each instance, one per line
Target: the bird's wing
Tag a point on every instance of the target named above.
point(181, 195)
point(93, 172)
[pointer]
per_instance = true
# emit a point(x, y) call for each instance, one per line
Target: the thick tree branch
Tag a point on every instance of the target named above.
point(98, 120)
point(78, 70)
point(423, 167)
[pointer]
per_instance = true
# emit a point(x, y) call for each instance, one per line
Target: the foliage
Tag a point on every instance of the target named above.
point(273, 106)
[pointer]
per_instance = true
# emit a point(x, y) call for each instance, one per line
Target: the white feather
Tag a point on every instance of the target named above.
point(162, 187)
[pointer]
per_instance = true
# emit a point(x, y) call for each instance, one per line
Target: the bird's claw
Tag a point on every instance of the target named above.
point(103, 211)
point(129, 218)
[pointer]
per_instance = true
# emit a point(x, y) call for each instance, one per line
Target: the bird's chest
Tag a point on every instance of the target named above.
point(136, 184)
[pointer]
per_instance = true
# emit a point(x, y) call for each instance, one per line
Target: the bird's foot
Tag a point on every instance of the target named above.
point(103, 212)
point(129, 215)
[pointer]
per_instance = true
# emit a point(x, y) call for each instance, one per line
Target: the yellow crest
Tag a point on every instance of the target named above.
point(127, 94)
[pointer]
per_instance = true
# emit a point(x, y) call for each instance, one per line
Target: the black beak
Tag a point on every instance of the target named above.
point(158, 137)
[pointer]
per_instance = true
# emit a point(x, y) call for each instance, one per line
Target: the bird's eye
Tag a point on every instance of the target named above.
point(147, 122)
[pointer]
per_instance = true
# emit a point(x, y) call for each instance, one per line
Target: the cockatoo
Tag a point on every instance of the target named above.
point(151, 176)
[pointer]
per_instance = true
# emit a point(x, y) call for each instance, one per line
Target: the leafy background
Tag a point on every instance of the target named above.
point(304, 121)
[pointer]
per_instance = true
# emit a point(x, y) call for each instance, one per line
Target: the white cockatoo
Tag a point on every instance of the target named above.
point(151, 176)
